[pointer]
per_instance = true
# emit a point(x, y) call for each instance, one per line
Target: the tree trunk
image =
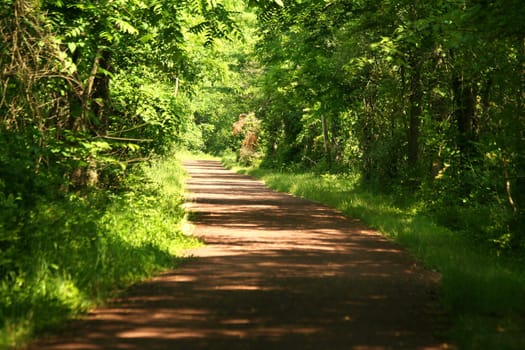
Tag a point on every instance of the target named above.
point(415, 97)
point(464, 113)
point(100, 104)
point(367, 137)
point(327, 147)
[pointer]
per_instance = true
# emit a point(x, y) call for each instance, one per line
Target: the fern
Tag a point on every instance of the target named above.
point(124, 26)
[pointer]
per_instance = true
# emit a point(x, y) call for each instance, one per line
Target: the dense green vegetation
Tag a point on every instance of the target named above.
point(77, 251)
point(92, 95)
point(413, 95)
point(413, 110)
point(418, 97)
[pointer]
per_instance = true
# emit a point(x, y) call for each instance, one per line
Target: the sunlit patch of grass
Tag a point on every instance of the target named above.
point(483, 293)
point(84, 249)
point(14, 331)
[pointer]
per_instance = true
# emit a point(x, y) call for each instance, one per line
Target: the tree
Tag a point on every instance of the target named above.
point(411, 93)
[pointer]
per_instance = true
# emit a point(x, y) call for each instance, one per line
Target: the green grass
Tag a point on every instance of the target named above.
point(79, 252)
point(483, 293)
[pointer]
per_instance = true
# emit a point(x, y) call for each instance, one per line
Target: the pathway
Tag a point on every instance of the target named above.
point(278, 272)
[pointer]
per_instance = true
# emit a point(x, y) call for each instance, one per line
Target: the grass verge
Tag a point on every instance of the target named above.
point(82, 250)
point(484, 293)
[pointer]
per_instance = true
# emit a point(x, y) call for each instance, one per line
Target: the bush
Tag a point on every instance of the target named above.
point(71, 253)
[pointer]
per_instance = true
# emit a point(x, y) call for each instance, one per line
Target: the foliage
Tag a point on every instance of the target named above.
point(226, 88)
point(90, 90)
point(74, 252)
point(70, 74)
point(391, 89)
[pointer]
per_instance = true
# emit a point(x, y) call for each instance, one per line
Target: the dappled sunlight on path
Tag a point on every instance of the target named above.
point(277, 272)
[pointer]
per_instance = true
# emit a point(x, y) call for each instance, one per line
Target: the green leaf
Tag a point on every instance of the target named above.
point(72, 47)
point(124, 26)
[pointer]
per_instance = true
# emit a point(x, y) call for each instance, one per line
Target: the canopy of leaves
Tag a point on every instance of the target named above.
point(412, 94)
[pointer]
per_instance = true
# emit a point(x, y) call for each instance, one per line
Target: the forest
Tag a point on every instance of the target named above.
point(419, 101)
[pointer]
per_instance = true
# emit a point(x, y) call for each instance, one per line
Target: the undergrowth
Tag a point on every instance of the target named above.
point(484, 293)
point(83, 249)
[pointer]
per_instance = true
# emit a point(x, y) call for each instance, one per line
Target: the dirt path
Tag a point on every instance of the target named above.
point(278, 272)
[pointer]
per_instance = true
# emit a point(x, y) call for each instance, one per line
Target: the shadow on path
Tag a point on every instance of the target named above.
point(278, 272)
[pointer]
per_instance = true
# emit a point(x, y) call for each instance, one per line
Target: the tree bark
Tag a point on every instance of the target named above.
point(327, 147)
point(464, 113)
point(415, 96)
